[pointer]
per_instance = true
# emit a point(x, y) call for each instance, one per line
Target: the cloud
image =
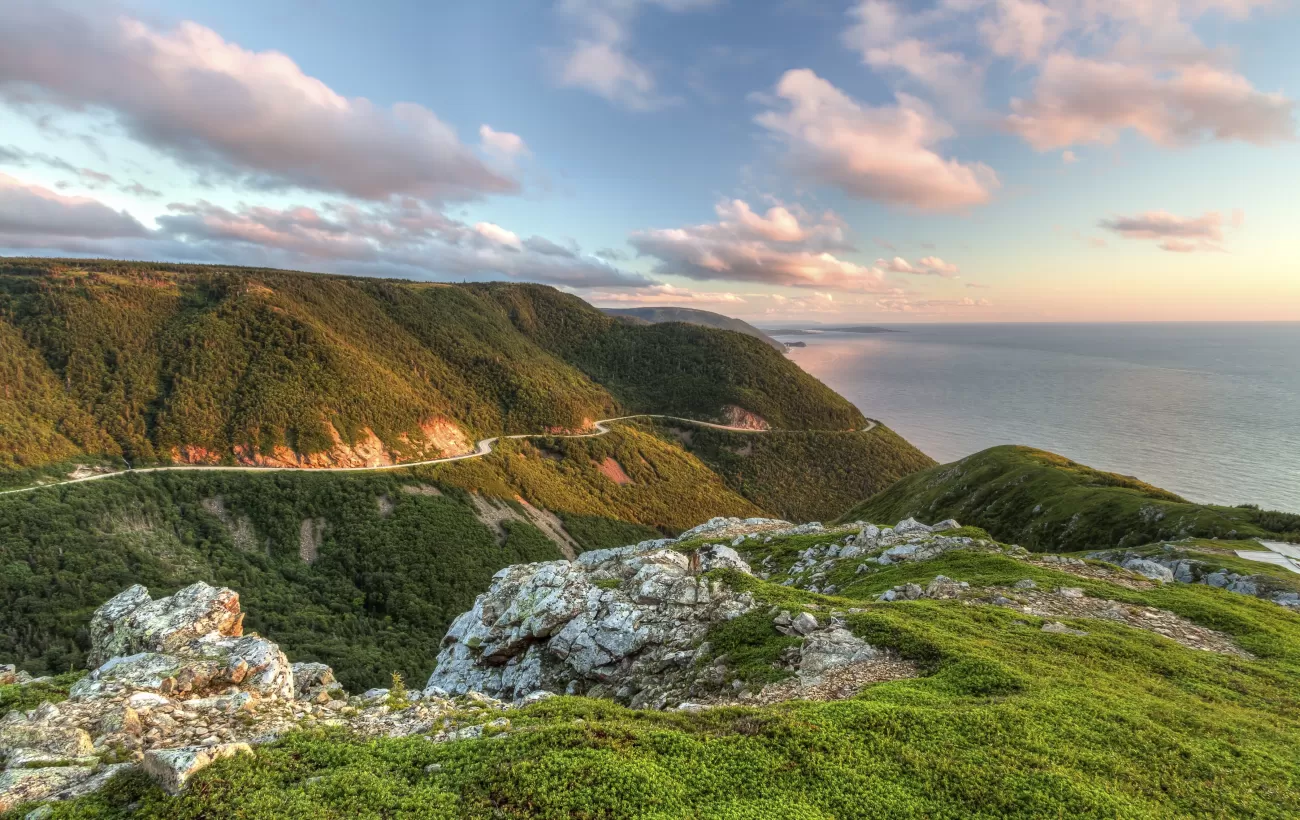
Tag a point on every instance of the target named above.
point(1068, 157)
point(904, 304)
point(502, 143)
point(1177, 234)
point(926, 266)
point(598, 59)
point(611, 255)
point(404, 239)
point(498, 235)
point(32, 214)
point(977, 285)
point(219, 108)
point(1078, 100)
point(882, 36)
point(1022, 29)
point(744, 246)
point(882, 153)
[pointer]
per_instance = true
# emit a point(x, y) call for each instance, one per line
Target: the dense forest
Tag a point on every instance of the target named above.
point(363, 572)
point(151, 363)
point(802, 475)
point(1043, 501)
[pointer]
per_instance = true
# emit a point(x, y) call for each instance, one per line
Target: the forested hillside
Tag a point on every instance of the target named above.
point(691, 316)
point(1043, 501)
point(158, 363)
point(363, 572)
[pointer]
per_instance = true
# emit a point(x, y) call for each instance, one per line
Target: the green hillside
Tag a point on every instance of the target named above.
point(1043, 501)
point(805, 475)
point(156, 362)
point(396, 555)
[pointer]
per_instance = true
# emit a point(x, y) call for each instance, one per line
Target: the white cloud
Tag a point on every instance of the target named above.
point(33, 214)
point(213, 105)
point(502, 143)
point(926, 266)
point(663, 295)
point(499, 235)
point(884, 153)
point(598, 60)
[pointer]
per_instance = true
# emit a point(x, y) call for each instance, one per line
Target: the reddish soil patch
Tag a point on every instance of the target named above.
point(614, 471)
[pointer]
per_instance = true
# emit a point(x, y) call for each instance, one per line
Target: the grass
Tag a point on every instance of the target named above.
point(1007, 721)
point(1045, 502)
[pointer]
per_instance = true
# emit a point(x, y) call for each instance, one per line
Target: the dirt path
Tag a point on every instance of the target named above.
point(483, 448)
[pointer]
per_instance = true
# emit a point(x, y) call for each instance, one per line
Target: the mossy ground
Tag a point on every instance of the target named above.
point(1006, 721)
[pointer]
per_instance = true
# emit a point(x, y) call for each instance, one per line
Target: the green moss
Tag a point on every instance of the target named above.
point(1048, 503)
point(29, 696)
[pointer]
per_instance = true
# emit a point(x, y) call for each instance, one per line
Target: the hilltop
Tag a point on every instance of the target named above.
point(692, 316)
point(153, 363)
point(1047, 502)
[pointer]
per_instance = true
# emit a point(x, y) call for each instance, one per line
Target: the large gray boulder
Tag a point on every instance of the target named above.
point(613, 622)
point(132, 622)
point(831, 648)
point(172, 768)
point(189, 644)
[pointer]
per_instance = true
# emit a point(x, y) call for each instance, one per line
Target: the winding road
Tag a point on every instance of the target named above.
point(484, 448)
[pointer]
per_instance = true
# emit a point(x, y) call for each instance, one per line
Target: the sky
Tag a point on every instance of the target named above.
point(786, 161)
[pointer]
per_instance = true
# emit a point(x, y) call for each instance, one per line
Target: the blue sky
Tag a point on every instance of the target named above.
point(785, 161)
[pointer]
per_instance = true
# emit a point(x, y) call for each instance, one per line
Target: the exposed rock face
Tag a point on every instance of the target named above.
point(133, 622)
point(612, 622)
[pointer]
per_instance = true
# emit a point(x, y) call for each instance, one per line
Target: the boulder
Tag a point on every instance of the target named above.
point(172, 768)
point(8, 674)
point(946, 524)
point(18, 786)
point(1149, 569)
point(313, 681)
point(42, 731)
point(804, 624)
point(829, 648)
point(561, 627)
point(210, 664)
point(910, 526)
point(132, 622)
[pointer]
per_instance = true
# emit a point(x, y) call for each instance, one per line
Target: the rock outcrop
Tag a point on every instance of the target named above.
point(614, 622)
point(180, 686)
point(1173, 563)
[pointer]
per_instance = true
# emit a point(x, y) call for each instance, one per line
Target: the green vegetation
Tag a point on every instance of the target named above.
point(157, 362)
point(30, 695)
point(803, 476)
point(1006, 721)
point(1048, 503)
point(397, 554)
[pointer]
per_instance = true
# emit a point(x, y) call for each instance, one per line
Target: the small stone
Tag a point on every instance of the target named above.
point(1058, 628)
point(804, 624)
point(1027, 583)
point(1070, 592)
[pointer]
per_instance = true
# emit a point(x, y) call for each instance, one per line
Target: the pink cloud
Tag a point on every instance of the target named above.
point(926, 266)
point(34, 214)
point(502, 143)
point(216, 106)
point(1078, 100)
point(1177, 234)
point(883, 153)
point(664, 295)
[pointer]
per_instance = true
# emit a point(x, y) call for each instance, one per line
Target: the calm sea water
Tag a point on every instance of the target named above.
point(1210, 411)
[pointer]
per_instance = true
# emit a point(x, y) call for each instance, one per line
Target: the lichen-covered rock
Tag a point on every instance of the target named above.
point(42, 731)
point(23, 785)
point(613, 621)
point(313, 682)
point(209, 664)
point(8, 674)
point(172, 768)
point(830, 648)
point(132, 622)
point(1149, 569)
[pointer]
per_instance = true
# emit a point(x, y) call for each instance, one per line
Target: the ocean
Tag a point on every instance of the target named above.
point(1210, 411)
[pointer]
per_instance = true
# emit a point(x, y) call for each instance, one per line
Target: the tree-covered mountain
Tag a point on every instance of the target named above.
point(156, 363)
point(693, 316)
point(1043, 501)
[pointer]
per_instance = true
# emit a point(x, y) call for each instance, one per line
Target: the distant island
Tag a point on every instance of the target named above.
point(691, 316)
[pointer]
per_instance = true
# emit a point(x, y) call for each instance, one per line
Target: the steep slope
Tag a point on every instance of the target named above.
point(354, 570)
point(166, 363)
point(675, 368)
point(1046, 502)
point(691, 316)
point(802, 475)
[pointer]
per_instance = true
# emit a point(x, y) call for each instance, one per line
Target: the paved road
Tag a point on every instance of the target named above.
point(483, 448)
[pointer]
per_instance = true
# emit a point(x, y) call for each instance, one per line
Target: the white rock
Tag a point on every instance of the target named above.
point(172, 768)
